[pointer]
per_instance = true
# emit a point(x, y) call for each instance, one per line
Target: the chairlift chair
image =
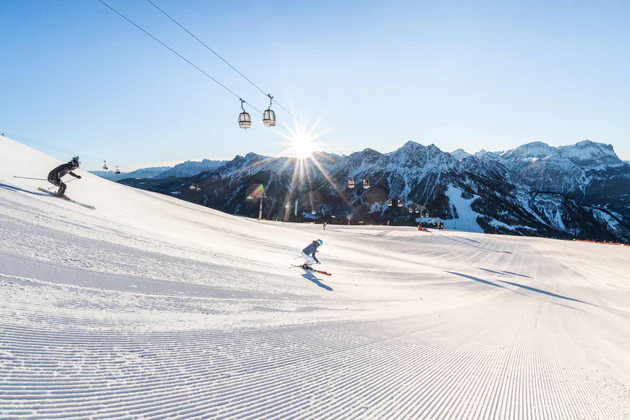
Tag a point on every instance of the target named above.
point(389, 202)
point(351, 183)
point(269, 117)
point(105, 165)
point(117, 171)
point(410, 210)
point(366, 183)
point(400, 203)
point(244, 120)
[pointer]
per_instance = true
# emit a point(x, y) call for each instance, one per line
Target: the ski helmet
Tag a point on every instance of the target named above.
point(75, 163)
point(320, 242)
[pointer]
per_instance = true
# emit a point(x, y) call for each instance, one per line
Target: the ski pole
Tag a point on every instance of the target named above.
point(55, 186)
point(25, 177)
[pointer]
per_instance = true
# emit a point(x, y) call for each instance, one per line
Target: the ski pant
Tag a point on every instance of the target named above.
point(308, 260)
point(60, 184)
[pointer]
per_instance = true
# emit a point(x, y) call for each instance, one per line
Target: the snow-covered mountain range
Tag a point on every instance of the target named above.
point(182, 170)
point(139, 173)
point(577, 191)
point(191, 168)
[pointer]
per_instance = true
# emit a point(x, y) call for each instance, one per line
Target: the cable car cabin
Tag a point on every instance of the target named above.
point(366, 184)
point(269, 118)
point(389, 202)
point(105, 165)
point(117, 171)
point(351, 183)
point(244, 120)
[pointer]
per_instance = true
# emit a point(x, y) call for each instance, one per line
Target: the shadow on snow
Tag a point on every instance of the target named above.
point(474, 245)
point(522, 286)
point(12, 188)
point(503, 273)
point(311, 277)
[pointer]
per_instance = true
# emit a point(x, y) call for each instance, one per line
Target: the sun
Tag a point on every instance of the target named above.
point(300, 140)
point(302, 145)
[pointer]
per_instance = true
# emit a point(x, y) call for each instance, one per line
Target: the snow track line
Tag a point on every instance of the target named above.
point(81, 344)
point(412, 371)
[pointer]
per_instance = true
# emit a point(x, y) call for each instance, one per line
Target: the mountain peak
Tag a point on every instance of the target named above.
point(460, 154)
point(587, 153)
point(535, 149)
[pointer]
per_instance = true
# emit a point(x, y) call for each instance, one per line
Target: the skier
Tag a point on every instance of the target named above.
point(309, 252)
point(54, 177)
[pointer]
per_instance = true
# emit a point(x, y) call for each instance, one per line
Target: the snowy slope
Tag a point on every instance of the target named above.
point(152, 307)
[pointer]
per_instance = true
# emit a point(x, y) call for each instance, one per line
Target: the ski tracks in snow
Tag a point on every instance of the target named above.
point(481, 362)
point(104, 319)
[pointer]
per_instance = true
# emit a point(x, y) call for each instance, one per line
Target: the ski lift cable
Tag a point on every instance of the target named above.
point(175, 52)
point(23, 139)
point(206, 74)
point(210, 77)
point(221, 58)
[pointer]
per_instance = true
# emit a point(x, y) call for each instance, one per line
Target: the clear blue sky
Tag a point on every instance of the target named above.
point(477, 75)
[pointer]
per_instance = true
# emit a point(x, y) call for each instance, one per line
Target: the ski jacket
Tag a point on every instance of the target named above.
point(61, 171)
point(311, 250)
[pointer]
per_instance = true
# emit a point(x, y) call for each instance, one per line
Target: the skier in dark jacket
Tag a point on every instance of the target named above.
point(309, 252)
point(54, 177)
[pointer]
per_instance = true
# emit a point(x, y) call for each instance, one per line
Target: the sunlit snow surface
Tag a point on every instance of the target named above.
point(152, 307)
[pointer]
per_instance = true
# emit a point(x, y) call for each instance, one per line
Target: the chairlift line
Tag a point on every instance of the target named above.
point(23, 139)
point(269, 118)
point(222, 59)
point(170, 49)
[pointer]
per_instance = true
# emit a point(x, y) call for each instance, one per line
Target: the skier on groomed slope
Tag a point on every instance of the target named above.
point(309, 252)
point(54, 177)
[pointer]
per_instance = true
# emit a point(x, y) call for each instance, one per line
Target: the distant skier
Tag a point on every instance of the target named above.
point(54, 177)
point(309, 252)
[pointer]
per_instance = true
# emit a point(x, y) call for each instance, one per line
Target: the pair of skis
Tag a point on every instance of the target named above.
point(312, 269)
point(87, 206)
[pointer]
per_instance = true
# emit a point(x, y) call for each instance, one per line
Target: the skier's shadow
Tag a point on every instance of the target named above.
point(12, 188)
point(311, 277)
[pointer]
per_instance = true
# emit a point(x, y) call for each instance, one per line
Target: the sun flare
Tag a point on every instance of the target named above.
point(302, 146)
